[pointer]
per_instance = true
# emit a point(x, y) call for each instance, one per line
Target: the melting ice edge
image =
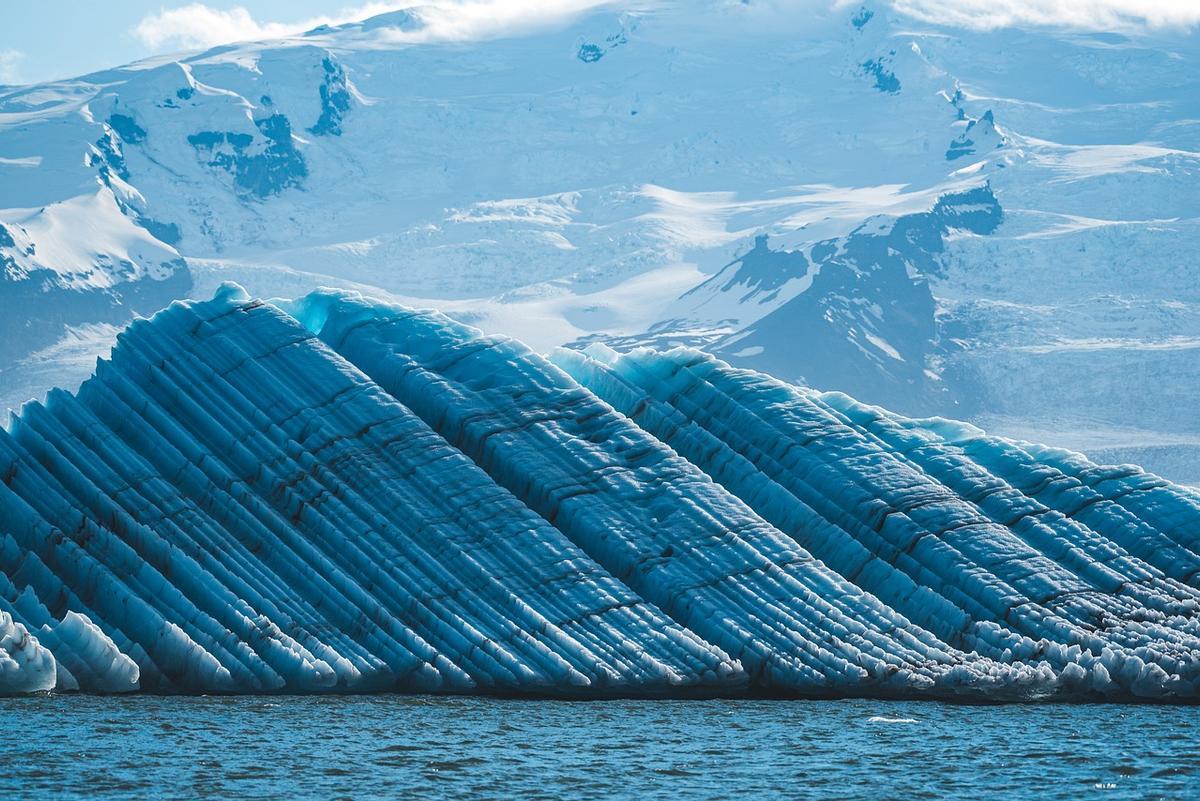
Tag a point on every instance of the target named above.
point(337, 494)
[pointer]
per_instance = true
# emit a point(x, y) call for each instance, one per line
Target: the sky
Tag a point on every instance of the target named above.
point(44, 40)
point(49, 39)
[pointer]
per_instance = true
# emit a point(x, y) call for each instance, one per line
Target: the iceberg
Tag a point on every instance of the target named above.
point(1013, 552)
point(237, 508)
point(337, 494)
point(26, 666)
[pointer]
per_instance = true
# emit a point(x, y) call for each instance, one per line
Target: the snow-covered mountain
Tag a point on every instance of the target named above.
point(997, 225)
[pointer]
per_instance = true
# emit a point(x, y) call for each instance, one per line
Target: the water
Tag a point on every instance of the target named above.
point(396, 746)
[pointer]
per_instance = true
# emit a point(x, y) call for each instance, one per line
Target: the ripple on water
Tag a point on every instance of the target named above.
point(85, 747)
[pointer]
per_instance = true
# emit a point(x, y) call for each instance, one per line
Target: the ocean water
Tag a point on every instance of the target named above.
point(406, 746)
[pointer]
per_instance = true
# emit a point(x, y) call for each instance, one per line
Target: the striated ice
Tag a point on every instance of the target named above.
point(26, 666)
point(1012, 555)
point(338, 494)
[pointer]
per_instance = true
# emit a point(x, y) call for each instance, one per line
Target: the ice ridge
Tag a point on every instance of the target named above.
point(1014, 552)
point(338, 494)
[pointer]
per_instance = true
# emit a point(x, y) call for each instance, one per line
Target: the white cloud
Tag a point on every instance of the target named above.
point(1114, 15)
point(9, 72)
point(197, 25)
point(481, 19)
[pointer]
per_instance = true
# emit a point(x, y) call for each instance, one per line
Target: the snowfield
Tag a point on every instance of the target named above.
point(999, 226)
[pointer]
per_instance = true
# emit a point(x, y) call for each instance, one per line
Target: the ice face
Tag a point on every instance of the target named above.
point(25, 665)
point(1013, 551)
point(248, 513)
point(653, 519)
point(337, 494)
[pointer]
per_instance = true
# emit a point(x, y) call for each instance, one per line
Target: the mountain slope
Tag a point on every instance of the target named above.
point(995, 225)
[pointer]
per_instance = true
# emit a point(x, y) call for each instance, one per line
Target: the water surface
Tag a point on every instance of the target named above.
point(396, 746)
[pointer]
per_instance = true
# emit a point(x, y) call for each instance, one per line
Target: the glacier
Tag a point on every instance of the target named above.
point(342, 494)
point(993, 226)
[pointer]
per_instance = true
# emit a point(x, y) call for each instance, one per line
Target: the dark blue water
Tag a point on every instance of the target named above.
point(395, 746)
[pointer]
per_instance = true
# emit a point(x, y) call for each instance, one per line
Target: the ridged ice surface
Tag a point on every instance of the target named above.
point(237, 508)
point(1015, 552)
point(335, 494)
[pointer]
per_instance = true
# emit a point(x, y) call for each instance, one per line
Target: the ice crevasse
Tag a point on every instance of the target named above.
point(338, 494)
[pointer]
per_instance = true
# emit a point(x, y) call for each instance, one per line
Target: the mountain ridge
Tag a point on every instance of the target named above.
point(579, 182)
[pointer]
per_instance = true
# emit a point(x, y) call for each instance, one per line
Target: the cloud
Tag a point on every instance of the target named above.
point(1083, 14)
point(197, 25)
point(9, 71)
point(482, 19)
